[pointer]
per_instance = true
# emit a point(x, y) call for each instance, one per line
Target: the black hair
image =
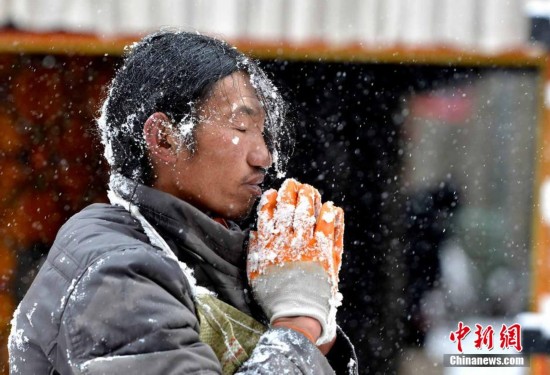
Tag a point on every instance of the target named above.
point(170, 72)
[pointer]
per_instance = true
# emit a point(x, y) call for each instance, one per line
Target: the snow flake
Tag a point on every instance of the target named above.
point(17, 338)
point(69, 291)
point(29, 314)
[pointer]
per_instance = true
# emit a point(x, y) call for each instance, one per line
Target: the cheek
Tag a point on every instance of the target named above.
point(235, 145)
point(226, 149)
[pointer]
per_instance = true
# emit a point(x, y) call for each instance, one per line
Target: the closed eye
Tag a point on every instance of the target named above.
point(242, 127)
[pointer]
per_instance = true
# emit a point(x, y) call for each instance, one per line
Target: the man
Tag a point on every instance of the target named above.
point(156, 282)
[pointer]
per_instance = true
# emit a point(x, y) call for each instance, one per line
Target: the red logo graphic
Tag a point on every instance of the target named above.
point(510, 336)
point(484, 337)
point(459, 335)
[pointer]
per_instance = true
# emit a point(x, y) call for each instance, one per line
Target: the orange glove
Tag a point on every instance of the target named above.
point(295, 256)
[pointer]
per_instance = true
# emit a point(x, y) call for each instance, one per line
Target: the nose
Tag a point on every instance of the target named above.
point(259, 155)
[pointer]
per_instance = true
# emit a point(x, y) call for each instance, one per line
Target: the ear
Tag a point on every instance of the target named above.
point(159, 138)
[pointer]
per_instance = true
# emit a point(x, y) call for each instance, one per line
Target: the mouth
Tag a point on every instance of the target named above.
point(255, 189)
point(253, 184)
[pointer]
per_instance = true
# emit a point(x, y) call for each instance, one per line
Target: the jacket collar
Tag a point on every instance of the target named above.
point(184, 223)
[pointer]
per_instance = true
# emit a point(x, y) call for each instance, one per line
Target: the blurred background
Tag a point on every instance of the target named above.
point(426, 120)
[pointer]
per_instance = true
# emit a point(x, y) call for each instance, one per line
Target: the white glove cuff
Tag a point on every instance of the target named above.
point(298, 289)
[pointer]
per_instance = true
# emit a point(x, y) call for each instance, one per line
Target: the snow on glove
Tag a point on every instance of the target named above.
point(295, 255)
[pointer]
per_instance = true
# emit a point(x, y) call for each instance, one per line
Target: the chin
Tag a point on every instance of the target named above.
point(239, 214)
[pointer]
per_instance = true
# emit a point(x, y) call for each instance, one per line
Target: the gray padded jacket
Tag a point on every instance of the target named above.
point(108, 302)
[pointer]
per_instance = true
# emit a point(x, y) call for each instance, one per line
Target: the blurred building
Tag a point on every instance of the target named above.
point(481, 25)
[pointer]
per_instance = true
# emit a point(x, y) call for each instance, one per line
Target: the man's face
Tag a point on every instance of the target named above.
point(222, 176)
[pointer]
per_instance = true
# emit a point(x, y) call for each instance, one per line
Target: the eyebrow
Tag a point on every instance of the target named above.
point(247, 109)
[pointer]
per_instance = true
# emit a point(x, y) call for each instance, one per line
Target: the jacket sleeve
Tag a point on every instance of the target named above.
point(131, 313)
point(284, 351)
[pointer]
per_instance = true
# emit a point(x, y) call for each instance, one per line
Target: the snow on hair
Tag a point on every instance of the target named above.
point(191, 64)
